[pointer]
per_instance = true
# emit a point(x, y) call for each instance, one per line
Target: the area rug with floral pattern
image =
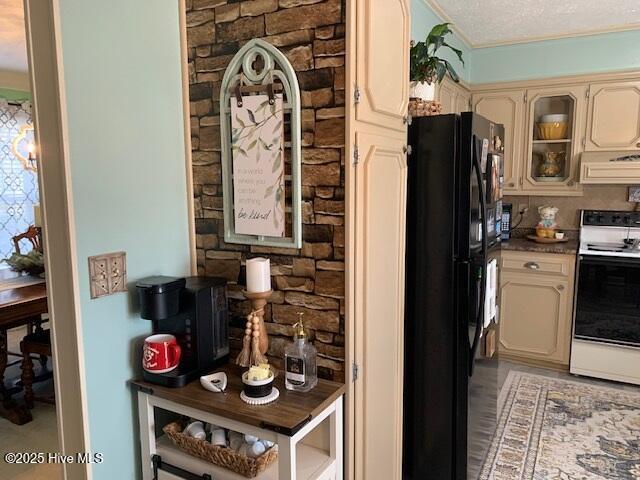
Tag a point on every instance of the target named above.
point(554, 429)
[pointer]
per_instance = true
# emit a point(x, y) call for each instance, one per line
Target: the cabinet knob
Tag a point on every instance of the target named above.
point(511, 184)
point(560, 287)
point(532, 266)
point(571, 183)
point(638, 144)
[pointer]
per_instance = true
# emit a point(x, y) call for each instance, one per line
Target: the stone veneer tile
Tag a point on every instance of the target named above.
point(310, 280)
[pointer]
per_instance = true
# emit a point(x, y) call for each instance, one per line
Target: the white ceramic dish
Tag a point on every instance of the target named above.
point(554, 118)
point(275, 393)
point(216, 382)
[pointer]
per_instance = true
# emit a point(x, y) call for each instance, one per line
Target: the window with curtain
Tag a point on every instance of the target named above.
point(18, 178)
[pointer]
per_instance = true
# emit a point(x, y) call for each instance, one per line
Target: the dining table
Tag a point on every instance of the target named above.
point(23, 301)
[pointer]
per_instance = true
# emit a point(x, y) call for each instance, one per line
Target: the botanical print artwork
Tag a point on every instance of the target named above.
point(257, 138)
point(553, 429)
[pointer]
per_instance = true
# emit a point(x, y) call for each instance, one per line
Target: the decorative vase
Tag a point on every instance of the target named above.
point(422, 90)
point(551, 164)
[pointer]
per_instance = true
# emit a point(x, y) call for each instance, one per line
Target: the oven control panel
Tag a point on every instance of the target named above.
point(608, 218)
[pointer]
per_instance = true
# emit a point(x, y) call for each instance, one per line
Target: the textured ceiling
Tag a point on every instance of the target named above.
point(13, 50)
point(487, 22)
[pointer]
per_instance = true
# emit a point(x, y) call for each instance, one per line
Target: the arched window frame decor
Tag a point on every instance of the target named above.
point(240, 70)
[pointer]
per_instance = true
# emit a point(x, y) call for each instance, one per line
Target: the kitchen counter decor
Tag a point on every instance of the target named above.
point(256, 340)
point(426, 68)
point(538, 239)
point(422, 108)
point(221, 456)
point(259, 91)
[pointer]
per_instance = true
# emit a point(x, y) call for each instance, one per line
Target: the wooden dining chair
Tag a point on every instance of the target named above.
point(39, 343)
point(32, 235)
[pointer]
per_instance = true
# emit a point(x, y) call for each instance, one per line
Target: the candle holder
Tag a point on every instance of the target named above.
point(256, 339)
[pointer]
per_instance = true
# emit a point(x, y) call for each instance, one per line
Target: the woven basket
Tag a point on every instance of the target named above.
point(421, 108)
point(222, 457)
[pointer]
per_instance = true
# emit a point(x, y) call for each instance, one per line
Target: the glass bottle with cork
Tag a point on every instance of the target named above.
point(301, 373)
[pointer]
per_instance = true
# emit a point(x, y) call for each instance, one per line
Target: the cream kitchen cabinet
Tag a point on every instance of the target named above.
point(571, 101)
point(454, 97)
point(463, 100)
point(446, 95)
point(536, 302)
point(506, 107)
point(380, 65)
point(376, 178)
point(519, 111)
point(614, 116)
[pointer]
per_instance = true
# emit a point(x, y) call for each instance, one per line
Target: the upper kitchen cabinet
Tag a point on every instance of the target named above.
point(614, 116)
point(446, 95)
point(382, 70)
point(463, 100)
point(506, 107)
point(555, 124)
point(454, 97)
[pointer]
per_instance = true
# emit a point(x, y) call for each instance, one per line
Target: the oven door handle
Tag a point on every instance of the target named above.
point(609, 260)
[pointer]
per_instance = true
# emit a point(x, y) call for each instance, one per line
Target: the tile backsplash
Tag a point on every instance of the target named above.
point(596, 197)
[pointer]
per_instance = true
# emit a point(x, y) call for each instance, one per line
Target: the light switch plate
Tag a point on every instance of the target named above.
point(108, 274)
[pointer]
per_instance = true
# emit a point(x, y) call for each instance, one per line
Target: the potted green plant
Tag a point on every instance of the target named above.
point(426, 68)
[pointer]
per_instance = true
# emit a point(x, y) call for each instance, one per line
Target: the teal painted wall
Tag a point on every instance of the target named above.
point(551, 58)
point(14, 95)
point(124, 105)
point(422, 21)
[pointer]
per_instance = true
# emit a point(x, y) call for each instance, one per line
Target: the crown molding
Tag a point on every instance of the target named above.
point(438, 10)
point(599, 77)
point(569, 34)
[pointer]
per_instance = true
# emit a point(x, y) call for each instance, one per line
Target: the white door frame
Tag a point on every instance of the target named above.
point(47, 86)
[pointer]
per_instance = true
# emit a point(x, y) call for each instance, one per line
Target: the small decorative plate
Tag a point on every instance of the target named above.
point(272, 397)
point(547, 240)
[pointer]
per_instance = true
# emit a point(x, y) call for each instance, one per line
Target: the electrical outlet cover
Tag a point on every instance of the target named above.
point(107, 274)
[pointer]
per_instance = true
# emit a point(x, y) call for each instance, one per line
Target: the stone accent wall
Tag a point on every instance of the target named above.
point(311, 280)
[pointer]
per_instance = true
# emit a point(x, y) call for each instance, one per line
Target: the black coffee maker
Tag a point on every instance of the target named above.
point(195, 311)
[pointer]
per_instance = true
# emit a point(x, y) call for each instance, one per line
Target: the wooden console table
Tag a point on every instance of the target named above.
point(288, 422)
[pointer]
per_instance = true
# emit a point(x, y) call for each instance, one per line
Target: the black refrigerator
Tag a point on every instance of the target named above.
point(451, 313)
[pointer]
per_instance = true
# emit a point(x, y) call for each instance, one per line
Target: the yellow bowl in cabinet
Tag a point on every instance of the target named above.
point(553, 131)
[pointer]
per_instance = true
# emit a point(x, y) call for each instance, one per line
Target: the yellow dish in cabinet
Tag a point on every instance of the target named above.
point(553, 131)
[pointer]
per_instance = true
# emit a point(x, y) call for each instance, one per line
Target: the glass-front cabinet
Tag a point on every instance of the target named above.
point(553, 140)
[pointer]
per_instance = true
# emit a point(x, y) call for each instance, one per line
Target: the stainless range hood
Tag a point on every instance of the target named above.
point(615, 167)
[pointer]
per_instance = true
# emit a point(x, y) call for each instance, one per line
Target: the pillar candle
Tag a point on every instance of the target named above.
point(258, 275)
point(37, 216)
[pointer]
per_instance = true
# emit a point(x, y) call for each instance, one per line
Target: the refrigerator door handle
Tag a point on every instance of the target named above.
point(483, 284)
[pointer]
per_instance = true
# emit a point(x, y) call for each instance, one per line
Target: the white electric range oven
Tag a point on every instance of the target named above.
point(606, 331)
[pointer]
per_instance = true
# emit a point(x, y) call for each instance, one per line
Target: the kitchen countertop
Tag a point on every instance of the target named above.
point(524, 245)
